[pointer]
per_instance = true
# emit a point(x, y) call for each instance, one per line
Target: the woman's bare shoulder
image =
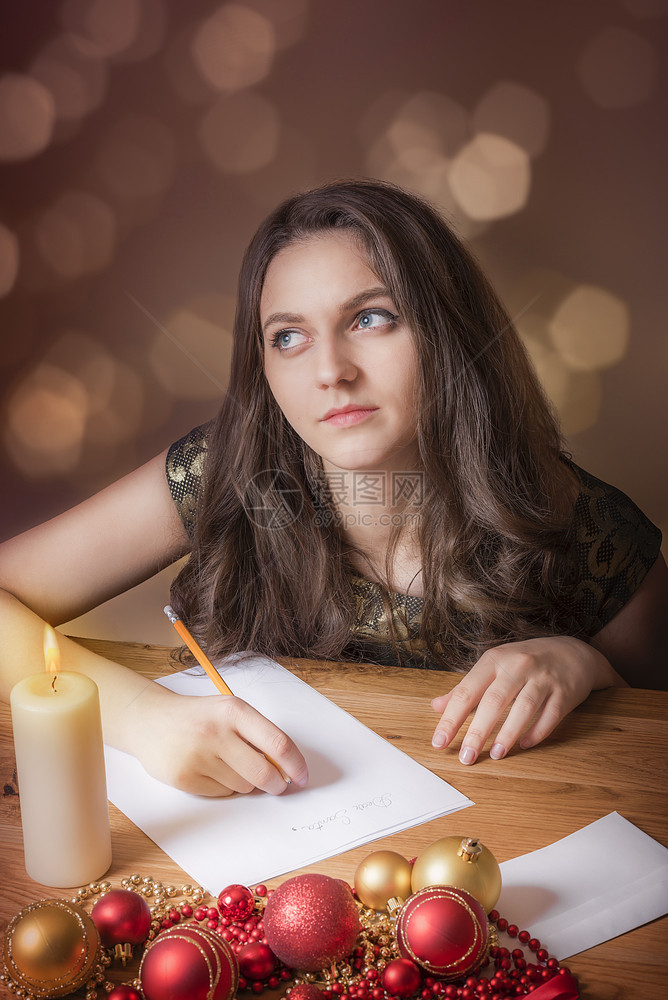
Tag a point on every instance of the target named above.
point(102, 547)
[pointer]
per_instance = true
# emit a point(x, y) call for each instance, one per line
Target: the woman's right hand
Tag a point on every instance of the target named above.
point(212, 745)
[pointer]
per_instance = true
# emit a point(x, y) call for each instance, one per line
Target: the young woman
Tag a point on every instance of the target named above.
point(385, 481)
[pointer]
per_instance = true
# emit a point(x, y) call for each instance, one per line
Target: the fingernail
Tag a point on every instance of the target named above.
point(467, 755)
point(498, 751)
point(438, 740)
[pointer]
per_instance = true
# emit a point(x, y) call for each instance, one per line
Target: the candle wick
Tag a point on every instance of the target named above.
point(53, 683)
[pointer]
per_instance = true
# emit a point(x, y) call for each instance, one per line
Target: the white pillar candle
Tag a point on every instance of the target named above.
point(61, 778)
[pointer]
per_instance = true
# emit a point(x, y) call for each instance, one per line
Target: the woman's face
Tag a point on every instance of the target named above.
point(339, 360)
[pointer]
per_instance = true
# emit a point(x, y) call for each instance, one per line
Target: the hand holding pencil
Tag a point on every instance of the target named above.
point(209, 668)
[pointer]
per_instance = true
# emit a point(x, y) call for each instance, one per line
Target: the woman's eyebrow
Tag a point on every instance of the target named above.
point(363, 297)
point(282, 317)
point(354, 303)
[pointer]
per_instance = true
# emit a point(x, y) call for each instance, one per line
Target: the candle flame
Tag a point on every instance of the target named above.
point(51, 651)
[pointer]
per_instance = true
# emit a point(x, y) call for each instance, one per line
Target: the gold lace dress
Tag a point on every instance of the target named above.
point(614, 547)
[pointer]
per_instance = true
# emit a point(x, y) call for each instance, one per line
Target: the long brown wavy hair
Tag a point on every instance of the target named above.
point(268, 572)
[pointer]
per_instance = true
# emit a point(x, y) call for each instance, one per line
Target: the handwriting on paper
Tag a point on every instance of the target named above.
point(346, 816)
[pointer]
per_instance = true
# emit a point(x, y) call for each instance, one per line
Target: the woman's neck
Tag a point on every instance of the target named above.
point(379, 511)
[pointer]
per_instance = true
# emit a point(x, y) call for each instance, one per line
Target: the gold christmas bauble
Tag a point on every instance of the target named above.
point(51, 948)
point(383, 875)
point(462, 863)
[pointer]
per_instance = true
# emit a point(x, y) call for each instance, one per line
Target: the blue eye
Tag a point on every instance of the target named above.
point(286, 339)
point(374, 318)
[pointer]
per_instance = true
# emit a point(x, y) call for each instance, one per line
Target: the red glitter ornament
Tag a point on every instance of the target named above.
point(123, 919)
point(311, 921)
point(256, 961)
point(401, 977)
point(305, 991)
point(189, 963)
point(236, 902)
point(444, 930)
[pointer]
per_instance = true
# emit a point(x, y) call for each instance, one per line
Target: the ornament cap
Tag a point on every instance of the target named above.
point(470, 849)
point(123, 952)
point(394, 904)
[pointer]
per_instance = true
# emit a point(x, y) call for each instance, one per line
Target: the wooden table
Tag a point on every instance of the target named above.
point(610, 754)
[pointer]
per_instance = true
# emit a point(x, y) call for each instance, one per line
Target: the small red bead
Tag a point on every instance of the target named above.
point(564, 970)
point(166, 924)
point(187, 910)
point(542, 954)
point(524, 937)
point(243, 983)
point(257, 987)
point(534, 944)
point(494, 915)
point(260, 890)
point(502, 924)
point(174, 916)
point(513, 930)
point(212, 924)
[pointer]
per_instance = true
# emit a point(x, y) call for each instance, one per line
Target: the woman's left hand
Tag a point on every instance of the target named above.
point(541, 679)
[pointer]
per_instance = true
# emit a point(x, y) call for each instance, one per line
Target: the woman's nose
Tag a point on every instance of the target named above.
point(334, 363)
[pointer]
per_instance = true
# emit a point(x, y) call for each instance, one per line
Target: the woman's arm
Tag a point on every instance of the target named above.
point(542, 680)
point(87, 555)
point(635, 641)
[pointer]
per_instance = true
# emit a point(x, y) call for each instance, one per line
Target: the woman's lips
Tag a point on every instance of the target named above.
point(348, 415)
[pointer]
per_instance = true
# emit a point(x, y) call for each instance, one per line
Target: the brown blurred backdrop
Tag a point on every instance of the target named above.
point(141, 141)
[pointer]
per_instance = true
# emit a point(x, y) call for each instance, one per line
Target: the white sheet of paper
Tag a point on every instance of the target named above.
point(361, 788)
point(601, 881)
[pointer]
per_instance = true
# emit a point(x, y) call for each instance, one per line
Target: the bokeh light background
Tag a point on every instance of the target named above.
point(141, 142)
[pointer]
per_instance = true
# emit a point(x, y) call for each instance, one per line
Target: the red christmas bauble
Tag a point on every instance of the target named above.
point(237, 902)
point(121, 917)
point(444, 930)
point(401, 977)
point(124, 993)
point(189, 963)
point(311, 921)
point(305, 991)
point(256, 961)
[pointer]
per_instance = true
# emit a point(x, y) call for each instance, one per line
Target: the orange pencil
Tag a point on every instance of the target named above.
point(206, 663)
